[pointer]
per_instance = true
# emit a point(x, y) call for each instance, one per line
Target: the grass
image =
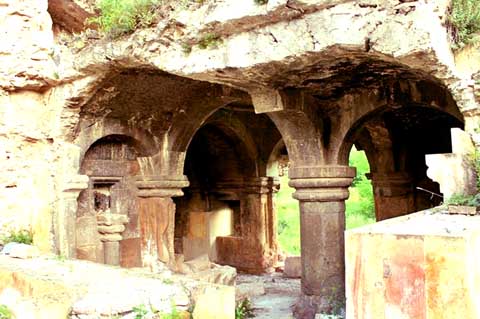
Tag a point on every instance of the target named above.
point(359, 207)
point(119, 17)
point(464, 22)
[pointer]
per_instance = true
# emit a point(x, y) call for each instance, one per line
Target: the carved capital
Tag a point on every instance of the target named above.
point(161, 186)
point(321, 183)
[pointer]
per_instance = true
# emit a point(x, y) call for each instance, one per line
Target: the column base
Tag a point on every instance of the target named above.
point(307, 306)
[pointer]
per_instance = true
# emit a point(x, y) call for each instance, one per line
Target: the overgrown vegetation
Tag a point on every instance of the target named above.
point(119, 17)
point(244, 309)
point(464, 22)
point(22, 236)
point(6, 313)
point(359, 207)
point(462, 200)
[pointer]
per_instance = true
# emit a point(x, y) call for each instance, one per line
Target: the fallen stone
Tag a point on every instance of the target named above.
point(199, 264)
point(293, 267)
point(215, 302)
point(221, 275)
point(22, 251)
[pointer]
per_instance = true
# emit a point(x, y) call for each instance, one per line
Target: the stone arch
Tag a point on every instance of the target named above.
point(401, 95)
point(276, 155)
point(396, 139)
point(143, 141)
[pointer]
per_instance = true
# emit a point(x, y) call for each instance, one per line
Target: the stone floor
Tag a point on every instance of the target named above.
point(280, 295)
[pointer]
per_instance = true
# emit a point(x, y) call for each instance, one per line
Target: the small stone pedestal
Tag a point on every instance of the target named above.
point(110, 227)
point(423, 265)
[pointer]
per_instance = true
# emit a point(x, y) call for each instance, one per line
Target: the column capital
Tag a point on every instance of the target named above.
point(321, 183)
point(161, 186)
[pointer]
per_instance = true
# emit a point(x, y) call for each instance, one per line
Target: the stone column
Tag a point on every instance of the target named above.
point(322, 191)
point(260, 220)
point(110, 227)
point(65, 221)
point(157, 217)
point(393, 194)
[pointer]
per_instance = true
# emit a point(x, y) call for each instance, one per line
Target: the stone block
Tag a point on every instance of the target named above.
point(130, 253)
point(400, 268)
point(293, 267)
point(215, 303)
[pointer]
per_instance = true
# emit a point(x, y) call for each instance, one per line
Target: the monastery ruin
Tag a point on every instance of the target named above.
point(159, 146)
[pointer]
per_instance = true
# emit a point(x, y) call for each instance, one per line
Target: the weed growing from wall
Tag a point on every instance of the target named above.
point(464, 22)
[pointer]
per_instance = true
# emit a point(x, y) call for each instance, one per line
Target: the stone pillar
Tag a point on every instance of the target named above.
point(110, 227)
point(260, 220)
point(157, 217)
point(322, 191)
point(393, 194)
point(65, 221)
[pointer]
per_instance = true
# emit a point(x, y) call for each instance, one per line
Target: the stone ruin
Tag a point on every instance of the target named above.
point(133, 151)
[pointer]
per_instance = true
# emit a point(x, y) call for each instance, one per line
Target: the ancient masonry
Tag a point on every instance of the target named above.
point(132, 151)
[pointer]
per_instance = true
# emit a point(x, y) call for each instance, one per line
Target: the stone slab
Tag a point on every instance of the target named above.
point(423, 265)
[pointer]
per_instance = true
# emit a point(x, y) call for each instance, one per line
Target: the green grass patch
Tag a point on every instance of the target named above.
point(464, 22)
point(119, 17)
point(359, 207)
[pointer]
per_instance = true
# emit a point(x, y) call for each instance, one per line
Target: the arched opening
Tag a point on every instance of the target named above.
point(227, 212)
point(396, 140)
point(288, 219)
point(107, 218)
point(360, 206)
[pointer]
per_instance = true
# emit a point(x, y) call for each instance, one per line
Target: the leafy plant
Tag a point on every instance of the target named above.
point(463, 22)
point(22, 236)
point(6, 313)
point(462, 200)
point(244, 310)
point(119, 17)
point(260, 2)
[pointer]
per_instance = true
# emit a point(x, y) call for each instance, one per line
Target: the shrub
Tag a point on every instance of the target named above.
point(463, 22)
point(21, 236)
point(119, 17)
point(462, 200)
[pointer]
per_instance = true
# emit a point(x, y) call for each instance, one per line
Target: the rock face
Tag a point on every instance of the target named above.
point(188, 115)
point(80, 289)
